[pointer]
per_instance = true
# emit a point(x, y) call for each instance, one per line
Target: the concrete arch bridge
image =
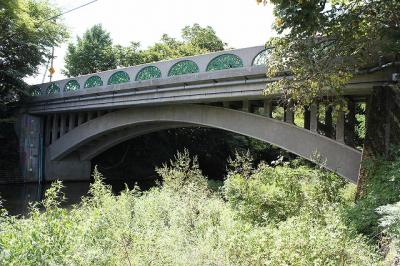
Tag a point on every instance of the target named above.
point(66, 123)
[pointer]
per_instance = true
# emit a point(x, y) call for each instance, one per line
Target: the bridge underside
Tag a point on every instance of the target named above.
point(68, 157)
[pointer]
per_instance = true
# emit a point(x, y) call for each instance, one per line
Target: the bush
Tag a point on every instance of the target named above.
point(271, 194)
point(184, 223)
point(382, 188)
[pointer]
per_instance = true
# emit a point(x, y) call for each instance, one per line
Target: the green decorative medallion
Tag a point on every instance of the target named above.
point(261, 59)
point(35, 91)
point(72, 85)
point(53, 88)
point(118, 77)
point(183, 67)
point(93, 81)
point(150, 72)
point(225, 61)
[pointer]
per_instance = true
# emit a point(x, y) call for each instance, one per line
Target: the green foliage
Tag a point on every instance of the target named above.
point(271, 194)
point(324, 43)
point(93, 52)
point(203, 38)
point(183, 171)
point(181, 223)
point(382, 188)
point(26, 37)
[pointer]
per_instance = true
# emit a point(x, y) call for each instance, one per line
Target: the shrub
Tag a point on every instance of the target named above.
point(183, 223)
point(272, 194)
point(382, 188)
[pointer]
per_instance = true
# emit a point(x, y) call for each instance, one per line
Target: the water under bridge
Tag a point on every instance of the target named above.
point(68, 122)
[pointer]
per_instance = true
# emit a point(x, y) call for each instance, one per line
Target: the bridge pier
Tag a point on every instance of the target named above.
point(29, 129)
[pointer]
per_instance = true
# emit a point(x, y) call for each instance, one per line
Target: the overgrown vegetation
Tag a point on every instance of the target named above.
point(265, 215)
point(382, 188)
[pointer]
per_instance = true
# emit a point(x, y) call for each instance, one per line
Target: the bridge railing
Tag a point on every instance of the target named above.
point(228, 59)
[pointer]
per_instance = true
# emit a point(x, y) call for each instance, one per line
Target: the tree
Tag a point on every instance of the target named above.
point(196, 40)
point(92, 53)
point(203, 38)
point(324, 43)
point(26, 37)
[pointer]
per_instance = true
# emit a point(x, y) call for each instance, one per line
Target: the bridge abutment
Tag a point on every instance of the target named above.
point(70, 168)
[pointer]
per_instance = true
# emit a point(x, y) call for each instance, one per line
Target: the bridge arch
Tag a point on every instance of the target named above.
point(332, 155)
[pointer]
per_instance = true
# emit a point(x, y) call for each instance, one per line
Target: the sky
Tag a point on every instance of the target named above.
point(240, 23)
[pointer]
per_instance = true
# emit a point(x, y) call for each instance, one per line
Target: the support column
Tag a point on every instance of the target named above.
point(48, 130)
point(63, 120)
point(328, 122)
point(289, 116)
point(307, 116)
point(81, 116)
point(350, 124)
point(314, 117)
point(71, 123)
point(226, 104)
point(246, 106)
point(340, 126)
point(268, 108)
point(54, 130)
point(91, 115)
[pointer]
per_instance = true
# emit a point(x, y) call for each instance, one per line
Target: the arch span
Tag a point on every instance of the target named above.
point(333, 155)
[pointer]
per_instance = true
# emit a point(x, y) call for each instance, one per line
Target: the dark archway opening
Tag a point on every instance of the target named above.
point(135, 160)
